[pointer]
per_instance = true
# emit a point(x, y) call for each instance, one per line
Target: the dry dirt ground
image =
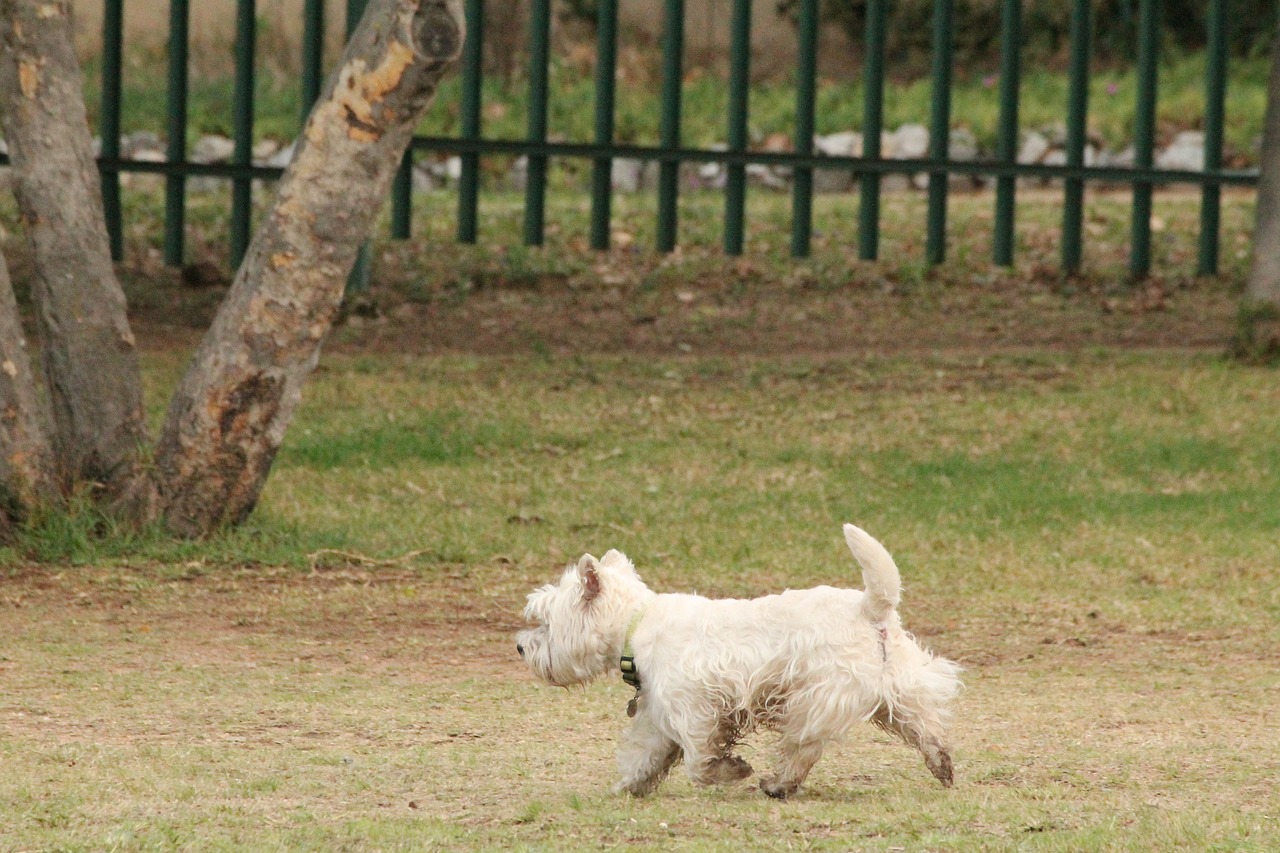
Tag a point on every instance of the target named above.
point(350, 695)
point(762, 318)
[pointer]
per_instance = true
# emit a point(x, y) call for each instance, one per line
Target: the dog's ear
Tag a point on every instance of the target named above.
point(590, 577)
point(615, 559)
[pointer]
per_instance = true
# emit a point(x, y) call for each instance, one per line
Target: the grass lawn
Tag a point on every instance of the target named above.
point(1079, 489)
point(1092, 534)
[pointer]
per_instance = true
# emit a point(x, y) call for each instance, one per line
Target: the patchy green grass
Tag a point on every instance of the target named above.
point(1091, 533)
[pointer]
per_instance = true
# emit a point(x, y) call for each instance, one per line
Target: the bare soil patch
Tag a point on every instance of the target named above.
point(715, 318)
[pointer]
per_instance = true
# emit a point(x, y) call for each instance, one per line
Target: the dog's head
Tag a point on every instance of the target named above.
point(580, 623)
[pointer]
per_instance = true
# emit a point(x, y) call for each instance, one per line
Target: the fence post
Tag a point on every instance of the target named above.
point(358, 278)
point(312, 54)
point(402, 194)
point(669, 133)
point(535, 188)
point(606, 80)
point(1077, 115)
point(872, 125)
point(806, 90)
point(242, 131)
point(402, 197)
point(1144, 130)
point(175, 183)
point(1007, 133)
point(469, 180)
point(109, 122)
point(735, 188)
point(1215, 77)
point(939, 131)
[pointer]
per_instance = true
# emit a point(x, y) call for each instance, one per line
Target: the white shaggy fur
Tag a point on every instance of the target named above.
point(806, 663)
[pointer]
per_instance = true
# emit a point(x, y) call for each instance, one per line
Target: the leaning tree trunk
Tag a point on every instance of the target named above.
point(90, 363)
point(229, 414)
point(26, 459)
point(1259, 332)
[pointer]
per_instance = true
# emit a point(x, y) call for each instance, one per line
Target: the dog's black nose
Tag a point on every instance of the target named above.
point(520, 649)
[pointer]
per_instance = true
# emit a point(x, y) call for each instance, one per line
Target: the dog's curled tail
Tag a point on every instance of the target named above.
point(879, 573)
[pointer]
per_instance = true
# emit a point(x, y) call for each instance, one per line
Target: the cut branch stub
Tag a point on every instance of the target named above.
point(229, 414)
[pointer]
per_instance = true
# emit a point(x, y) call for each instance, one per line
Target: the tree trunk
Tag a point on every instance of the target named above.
point(89, 359)
point(26, 459)
point(1264, 279)
point(229, 414)
point(1258, 336)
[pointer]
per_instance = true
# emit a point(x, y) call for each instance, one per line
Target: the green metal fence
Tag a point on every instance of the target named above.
point(670, 152)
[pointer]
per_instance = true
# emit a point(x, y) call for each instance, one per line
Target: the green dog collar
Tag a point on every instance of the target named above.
point(627, 663)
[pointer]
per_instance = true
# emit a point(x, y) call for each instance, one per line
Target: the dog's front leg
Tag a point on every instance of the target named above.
point(795, 760)
point(645, 755)
point(708, 753)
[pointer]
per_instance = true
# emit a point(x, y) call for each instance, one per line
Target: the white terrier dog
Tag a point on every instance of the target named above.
point(806, 663)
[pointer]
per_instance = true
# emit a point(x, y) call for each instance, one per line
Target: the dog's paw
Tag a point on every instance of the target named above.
point(637, 789)
point(940, 766)
point(777, 789)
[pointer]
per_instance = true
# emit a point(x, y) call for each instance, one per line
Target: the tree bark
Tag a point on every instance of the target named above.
point(26, 459)
point(89, 359)
point(1264, 278)
point(228, 417)
point(1258, 333)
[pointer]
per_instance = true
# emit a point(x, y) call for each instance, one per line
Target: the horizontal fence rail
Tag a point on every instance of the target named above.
point(470, 145)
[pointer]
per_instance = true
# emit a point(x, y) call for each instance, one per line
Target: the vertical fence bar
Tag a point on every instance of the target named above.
point(735, 189)
point(312, 54)
point(402, 197)
point(1215, 84)
point(806, 89)
point(872, 125)
point(669, 132)
point(939, 131)
point(1077, 115)
point(1144, 131)
point(401, 189)
point(469, 179)
point(1007, 132)
point(535, 188)
point(606, 80)
point(109, 121)
point(175, 184)
point(358, 278)
point(242, 131)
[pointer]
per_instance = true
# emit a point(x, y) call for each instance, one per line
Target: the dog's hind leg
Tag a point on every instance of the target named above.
point(925, 734)
point(645, 756)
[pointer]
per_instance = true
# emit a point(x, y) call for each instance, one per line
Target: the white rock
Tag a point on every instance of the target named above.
point(1185, 153)
point(264, 150)
point(1035, 146)
point(847, 143)
point(213, 149)
point(910, 142)
point(626, 174)
point(962, 145)
point(281, 158)
point(766, 176)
